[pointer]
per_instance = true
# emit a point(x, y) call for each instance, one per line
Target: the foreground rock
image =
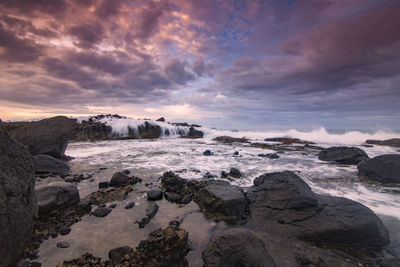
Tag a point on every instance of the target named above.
point(54, 195)
point(49, 165)
point(221, 201)
point(49, 136)
point(103, 196)
point(394, 142)
point(384, 169)
point(122, 179)
point(343, 155)
point(17, 198)
point(283, 203)
point(236, 247)
point(177, 189)
point(163, 247)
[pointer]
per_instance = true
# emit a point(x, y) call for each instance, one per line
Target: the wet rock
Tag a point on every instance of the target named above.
point(119, 179)
point(230, 140)
point(155, 194)
point(65, 231)
point(104, 185)
point(48, 164)
point(118, 253)
point(54, 194)
point(235, 173)
point(173, 183)
point(283, 203)
point(172, 197)
point(162, 119)
point(394, 142)
point(270, 155)
point(384, 168)
point(113, 206)
point(186, 199)
point(208, 153)
point(209, 175)
point(86, 259)
point(193, 133)
point(49, 136)
point(236, 153)
point(103, 196)
point(84, 206)
point(151, 211)
point(63, 244)
point(393, 262)
point(236, 247)
point(127, 172)
point(17, 198)
point(287, 140)
point(222, 201)
point(130, 205)
point(101, 212)
point(343, 155)
point(224, 174)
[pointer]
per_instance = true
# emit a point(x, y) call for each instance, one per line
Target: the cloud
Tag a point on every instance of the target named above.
point(178, 71)
point(87, 34)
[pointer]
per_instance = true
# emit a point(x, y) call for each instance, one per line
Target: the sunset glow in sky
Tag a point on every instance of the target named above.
point(225, 63)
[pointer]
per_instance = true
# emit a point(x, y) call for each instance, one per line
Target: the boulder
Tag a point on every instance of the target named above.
point(343, 155)
point(193, 133)
point(222, 201)
point(119, 252)
point(54, 195)
point(48, 164)
point(235, 173)
point(17, 198)
point(101, 212)
point(49, 136)
point(207, 153)
point(175, 184)
point(394, 142)
point(384, 168)
point(120, 179)
point(236, 247)
point(155, 194)
point(283, 203)
point(149, 131)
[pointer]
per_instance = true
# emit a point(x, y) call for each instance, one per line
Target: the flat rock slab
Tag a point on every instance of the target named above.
point(48, 164)
point(343, 155)
point(384, 169)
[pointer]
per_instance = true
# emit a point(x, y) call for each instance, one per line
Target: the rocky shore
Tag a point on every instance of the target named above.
point(278, 221)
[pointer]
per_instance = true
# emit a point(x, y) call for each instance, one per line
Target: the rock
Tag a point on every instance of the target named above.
point(193, 133)
point(236, 153)
point(384, 168)
point(283, 203)
point(101, 212)
point(17, 198)
point(270, 155)
point(91, 131)
point(172, 197)
point(112, 206)
point(230, 140)
point(49, 136)
point(121, 179)
point(394, 142)
point(222, 201)
point(118, 253)
point(186, 199)
point(151, 211)
point(224, 174)
point(65, 231)
point(130, 205)
point(149, 131)
point(173, 183)
point(127, 172)
point(63, 244)
point(207, 153)
point(393, 262)
point(104, 184)
point(86, 260)
point(235, 173)
point(161, 119)
point(54, 195)
point(236, 247)
point(84, 207)
point(288, 141)
point(343, 155)
point(48, 164)
point(103, 196)
point(209, 175)
point(155, 194)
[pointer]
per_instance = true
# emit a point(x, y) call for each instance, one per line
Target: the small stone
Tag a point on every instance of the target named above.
point(35, 264)
point(130, 205)
point(104, 184)
point(113, 206)
point(155, 194)
point(63, 244)
point(208, 153)
point(236, 153)
point(102, 212)
point(118, 253)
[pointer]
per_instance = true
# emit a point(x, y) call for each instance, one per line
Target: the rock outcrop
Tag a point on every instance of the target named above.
point(343, 155)
point(17, 198)
point(384, 168)
point(394, 142)
point(49, 165)
point(49, 136)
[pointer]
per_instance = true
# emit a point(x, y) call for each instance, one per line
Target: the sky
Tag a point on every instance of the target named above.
point(232, 64)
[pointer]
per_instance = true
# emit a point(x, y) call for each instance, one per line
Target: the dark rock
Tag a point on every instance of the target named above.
point(208, 175)
point(236, 153)
point(235, 173)
point(384, 168)
point(193, 133)
point(86, 259)
point(35, 264)
point(103, 196)
point(236, 247)
point(113, 206)
point(118, 253)
point(130, 205)
point(49, 136)
point(270, 155)
point(63, 244)
point(54, 195)
point(161, 119)
point(104, 184)
point(24, 263)
point(155, 194)
point(121, 179)
point(222, 201)
point(172, 197)
point(84, 206)
point(230, 140)
point(149, 131)
point(101, 212)
point(65, 231)
point(207, 153)
point(151, 211)
point(224, 174)
point(343, 155)
point(173, 183)
point(394, 142)
point(393, 262)
point(48, 164)
point(17, 198)
point(186, 199)
point(288, 140)
point(91, 131)
point(127, 172)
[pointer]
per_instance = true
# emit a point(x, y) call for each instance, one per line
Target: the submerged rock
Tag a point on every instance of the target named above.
point(48, 164)
point(122, 179)
point(236, 247)
point(343, 155)
point(17, 198)
point(384, 168)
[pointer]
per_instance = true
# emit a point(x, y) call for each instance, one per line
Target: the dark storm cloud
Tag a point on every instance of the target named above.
point(177, 71)
point(87, 34)
point(53, 7)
